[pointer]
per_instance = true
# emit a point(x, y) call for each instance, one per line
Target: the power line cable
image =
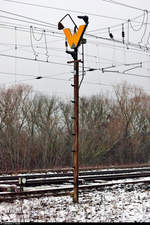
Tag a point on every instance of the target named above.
point(119, 72)
point(109, 39)
point(117, 41)
point(33, 34)
point(37, 60)
point(122, 4)
point(118, 25)
point(36, 30)
point(46, 46)
point(20, 46)
point(83, 71)
point(147, 43)
point(103, 44)
point(29, 18)
point(26, 28)
point(141, 25)
point(51, 78)
point(65, 10)
point(25, 21)
point(128, 74)
point(119, 47)
point(31, 59)
point(31, 75)
point(68, 80)
point(144, 29)
point(86, 83)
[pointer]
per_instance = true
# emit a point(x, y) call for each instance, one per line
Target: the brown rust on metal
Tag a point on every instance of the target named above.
point(74, 61)
point(76, 126)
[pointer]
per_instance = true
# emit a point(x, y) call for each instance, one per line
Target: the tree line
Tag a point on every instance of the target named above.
point(36, 130)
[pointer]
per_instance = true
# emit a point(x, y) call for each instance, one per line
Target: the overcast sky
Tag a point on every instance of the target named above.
point(23, 40)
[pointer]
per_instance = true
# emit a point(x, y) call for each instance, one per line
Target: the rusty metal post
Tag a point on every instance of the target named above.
point(74, 42)
point(76, 125)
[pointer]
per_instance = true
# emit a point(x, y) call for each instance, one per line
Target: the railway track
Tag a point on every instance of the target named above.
point(67, 177)
point(61, 183)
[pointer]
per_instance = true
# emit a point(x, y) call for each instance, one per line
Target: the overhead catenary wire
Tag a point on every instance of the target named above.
point(16, 47)
point(65, 10)
point(128, 74)
point(94, 56)
point(86, 71)
point(141, 25)
point(21, 47)
point(106, 69)
point(120, 72)
point(35, 5)
point(46, 46)
point(83, 71)
point(41, 30)
point(120, 24)
point(117, 41)
point(145, 14)
point(147, 43)
point(34, 76)
point(47, 77)
point(121, 48)
point(113, 40)
point(43, 34)
point(31, 41)
point(123, 4)
point(43, 23)
point(31, 59)
point(73, 11)
point(145, 29)
point(22, 27)
point(25, 21)
point(33, 34)
point(38, 31)
point(36, 60)
point(68, 80)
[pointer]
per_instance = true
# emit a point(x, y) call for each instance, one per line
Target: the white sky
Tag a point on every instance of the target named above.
point(98, 53)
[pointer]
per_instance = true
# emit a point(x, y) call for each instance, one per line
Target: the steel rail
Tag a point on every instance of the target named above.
point(66, 173)
point(70, 169)
point(57, 191)
point(86, 176)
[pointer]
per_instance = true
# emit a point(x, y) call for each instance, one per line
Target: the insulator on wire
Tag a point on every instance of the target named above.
point(110, 34)
point(66, 44)
point(123, 33)
point(38, 77)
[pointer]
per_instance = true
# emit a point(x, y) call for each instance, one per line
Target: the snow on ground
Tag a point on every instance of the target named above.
point(119, 203)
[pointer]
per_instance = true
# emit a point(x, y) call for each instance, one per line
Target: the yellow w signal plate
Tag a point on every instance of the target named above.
point(75, 38)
